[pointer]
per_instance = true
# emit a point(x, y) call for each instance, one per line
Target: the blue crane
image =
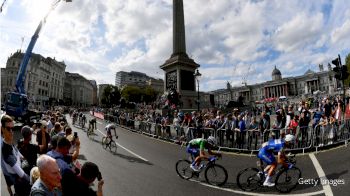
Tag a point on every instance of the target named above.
point(16, 103)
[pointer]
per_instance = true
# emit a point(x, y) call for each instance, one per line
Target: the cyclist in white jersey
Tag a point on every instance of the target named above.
point(108, 129)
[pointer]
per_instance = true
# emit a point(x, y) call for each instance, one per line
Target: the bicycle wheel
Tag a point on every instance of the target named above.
point(287, 179)
point(248, 179)
point(183, 169)
point(90, 133)
point(113, 147)
point(216, 175)
point(105, 142)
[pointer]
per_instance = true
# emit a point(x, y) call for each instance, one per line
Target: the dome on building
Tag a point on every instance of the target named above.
point(276, 74)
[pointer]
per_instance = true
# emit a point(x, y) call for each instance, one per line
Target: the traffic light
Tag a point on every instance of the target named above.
point(345, 73)
point(338, 69)
point(336, 62)
point(337, 72)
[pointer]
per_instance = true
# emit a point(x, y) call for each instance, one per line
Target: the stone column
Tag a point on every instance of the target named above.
point(179, 44)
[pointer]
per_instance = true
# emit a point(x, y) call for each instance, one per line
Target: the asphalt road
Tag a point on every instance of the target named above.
point(146, 166)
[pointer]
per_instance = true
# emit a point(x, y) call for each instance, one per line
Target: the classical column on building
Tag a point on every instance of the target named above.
point(279, 91)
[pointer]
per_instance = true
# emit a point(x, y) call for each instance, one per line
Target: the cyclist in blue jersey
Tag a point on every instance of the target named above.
point(266, 154)
point(197, 146)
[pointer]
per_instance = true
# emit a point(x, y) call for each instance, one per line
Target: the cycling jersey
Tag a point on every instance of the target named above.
point(109, 127)
point(92, 121)
point(198, 143)
point(266, 152)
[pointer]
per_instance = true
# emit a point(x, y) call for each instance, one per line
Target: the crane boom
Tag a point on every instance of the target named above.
point(16, 103)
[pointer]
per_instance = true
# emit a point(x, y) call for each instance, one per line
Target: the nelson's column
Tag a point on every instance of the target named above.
point(179, 68)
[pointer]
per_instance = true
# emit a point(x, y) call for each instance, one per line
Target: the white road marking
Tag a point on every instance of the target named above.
point(253, 193)
point(326, 187)
point(99, 122)
point(131, 152)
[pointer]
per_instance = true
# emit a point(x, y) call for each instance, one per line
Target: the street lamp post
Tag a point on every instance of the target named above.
point(197, 75)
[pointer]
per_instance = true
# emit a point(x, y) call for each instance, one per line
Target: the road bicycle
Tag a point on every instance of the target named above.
point(108, 142)
point(214, 173)
point(285, 181)
point(83, 122)
point(90, 132)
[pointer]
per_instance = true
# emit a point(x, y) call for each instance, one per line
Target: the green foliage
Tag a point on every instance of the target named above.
point(138, 95)
point(347, 63)
point(110, 96)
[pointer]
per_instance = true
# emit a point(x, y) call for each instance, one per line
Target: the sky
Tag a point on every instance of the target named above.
point(232, 40)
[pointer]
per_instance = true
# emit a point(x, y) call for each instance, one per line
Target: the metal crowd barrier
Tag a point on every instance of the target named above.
point(250, 139)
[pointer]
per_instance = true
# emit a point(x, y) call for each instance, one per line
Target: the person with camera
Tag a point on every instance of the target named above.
point(80, 184)
point(61, 152)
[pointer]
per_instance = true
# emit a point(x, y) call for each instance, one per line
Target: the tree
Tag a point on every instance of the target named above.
point(132, 94)
point(149, 94)
point(347, 64)
point(110, 96)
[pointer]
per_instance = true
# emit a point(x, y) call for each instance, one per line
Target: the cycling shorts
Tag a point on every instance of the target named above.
point(267, 157)
point(192, 151)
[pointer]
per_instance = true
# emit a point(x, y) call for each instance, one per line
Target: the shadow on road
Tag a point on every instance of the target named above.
point(132, 159)
point(335, 176)
point(260, 189)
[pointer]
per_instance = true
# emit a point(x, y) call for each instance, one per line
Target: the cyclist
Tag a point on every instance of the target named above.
point(83, 120)
point(266, 155)
point(108, 129)
point(92, 124)
point(197, 146)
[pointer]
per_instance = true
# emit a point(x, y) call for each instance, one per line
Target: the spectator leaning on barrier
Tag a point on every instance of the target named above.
point(327, 108)
point(11, 160)
point(49, 182)
point(241, 131)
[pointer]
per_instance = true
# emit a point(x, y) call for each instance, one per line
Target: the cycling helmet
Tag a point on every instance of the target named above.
point(211, 140)
point(289, 138)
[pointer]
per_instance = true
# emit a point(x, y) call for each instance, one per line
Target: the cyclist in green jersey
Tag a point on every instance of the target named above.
point(196, 148)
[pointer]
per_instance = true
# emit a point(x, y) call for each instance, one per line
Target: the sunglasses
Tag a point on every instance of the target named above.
point(9, 128)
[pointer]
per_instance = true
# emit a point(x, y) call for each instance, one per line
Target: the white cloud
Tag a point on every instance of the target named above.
point(99, 38)
point(299, 32)
point(341, 33)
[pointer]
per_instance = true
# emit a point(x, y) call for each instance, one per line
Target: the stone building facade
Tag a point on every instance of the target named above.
point(139, 79)
point(78, 91)
point(304, 85)
point(94, 93)
point(43, 79)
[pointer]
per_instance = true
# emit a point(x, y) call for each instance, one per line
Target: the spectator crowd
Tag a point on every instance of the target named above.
point(241, 129)
point(49, 165)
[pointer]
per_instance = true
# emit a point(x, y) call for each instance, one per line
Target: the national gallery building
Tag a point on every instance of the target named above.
point(304, 85)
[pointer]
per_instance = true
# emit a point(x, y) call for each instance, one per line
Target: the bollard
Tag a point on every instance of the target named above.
point(303, 151)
